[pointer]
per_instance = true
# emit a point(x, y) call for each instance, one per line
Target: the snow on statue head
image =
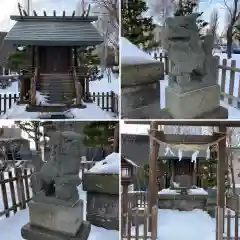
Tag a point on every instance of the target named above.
point(58, 179)
point(191, 56)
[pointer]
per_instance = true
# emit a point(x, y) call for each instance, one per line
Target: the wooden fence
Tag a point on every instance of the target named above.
point(231, 231)
point(15, 191)
point(6, 102)
point(107, 101)
point(135, 224)
point(135, 219)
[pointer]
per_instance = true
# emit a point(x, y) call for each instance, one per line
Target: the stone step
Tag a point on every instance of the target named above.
point(59, 88)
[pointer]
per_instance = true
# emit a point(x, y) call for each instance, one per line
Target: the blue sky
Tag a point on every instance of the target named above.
point(207, 6)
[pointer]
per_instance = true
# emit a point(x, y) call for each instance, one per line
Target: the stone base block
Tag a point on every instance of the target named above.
point(110, 223)
point(150, 111)
point(218, 113)
point(136, 100)
point(56, 218)
point(194, 103)
point(103, 210)
point(30, 232)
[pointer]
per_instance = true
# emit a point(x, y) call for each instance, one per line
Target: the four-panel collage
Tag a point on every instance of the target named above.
point(119, 120)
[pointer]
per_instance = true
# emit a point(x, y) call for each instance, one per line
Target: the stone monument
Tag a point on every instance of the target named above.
point(193, 91)
point(56, 212)
point(102, 197)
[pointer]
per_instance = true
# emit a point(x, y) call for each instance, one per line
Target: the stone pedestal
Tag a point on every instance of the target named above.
point(140, 101)
point(194, 103)
point(102, 199)
point(140, 89)
point(182, 202)
point(55, 222)
point(36, 233)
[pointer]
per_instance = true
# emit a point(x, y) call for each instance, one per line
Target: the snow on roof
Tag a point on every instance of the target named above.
point(131, 54)
point(92, 111)
point(130, 162)
point(109, 165)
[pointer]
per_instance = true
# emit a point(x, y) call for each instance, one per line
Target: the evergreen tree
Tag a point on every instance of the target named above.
point(19, 60)
point(99, 133)
point(91, 60)
point(137, 28)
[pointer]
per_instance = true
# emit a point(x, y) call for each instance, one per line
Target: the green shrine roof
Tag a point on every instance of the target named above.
point(54, 31)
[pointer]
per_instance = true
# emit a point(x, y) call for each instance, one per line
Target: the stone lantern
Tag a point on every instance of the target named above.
point(126, 172)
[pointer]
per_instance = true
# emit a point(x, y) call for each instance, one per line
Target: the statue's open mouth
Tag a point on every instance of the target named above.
point(184, 39)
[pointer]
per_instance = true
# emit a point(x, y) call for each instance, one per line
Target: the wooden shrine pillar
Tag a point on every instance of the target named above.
point(75, 60)
point(22, 88)
point(221, 170)
point(194, 174)
point(116, 138)
point(124, 200)
point(152, 187)
point(35, 76)
point(173, 170)
point(33, 56)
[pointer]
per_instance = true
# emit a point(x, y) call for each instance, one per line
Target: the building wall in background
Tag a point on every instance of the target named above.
point(11, 132)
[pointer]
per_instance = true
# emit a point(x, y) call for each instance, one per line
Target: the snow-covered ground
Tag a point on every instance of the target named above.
point(185, 225)
point(92, 111)
point(193, 225)
point(12, 89)
point(109, 82)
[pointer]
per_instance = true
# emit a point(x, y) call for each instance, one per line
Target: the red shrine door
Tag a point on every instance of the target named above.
point(55, 59)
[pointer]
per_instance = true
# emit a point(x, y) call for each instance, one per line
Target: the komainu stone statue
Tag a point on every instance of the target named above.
point(58, 179)
point(56, 211)
point(194, 66)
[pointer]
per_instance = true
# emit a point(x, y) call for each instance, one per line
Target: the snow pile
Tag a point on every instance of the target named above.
point(131, 54)
point(131, 162)
point(197, 191)
point(40, 98)
point(193, 191)
point(168, 191)
point(110, 165)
